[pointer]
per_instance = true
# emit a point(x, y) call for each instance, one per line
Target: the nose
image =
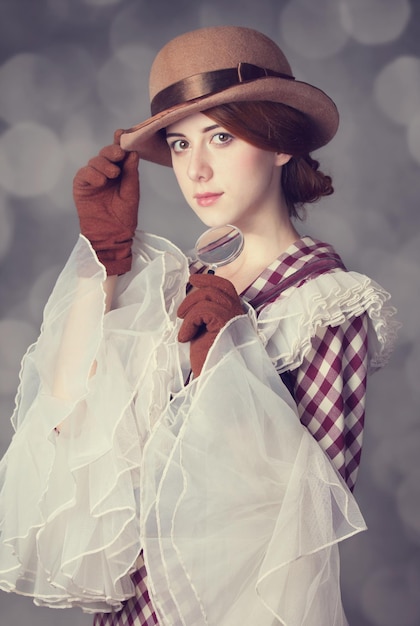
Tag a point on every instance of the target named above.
point(199, 168)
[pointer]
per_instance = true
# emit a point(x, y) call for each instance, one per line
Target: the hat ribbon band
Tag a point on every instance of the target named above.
point(208, 83)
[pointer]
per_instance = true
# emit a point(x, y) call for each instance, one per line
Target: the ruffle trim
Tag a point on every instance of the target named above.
point(70, 512)
point(287, 326)
point(244, 513)
point(69, 504)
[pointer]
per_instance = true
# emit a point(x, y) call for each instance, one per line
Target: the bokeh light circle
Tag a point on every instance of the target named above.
point(375, 21)
point(397, 89)
point(313, 29)
point(124, 90)
point(413, 138)
point(7, 224)
point(28, 86)
point(387, 599)
point(15, 337)
point(101, 3)
point(31, 159)
point(45, 87)
point(408, 497)
point(150, 23)
point(412, 363)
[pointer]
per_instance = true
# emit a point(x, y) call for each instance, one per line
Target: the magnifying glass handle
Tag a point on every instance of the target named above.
point(210, 271)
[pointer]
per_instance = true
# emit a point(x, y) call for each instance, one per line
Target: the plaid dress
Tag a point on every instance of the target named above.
point(137, 611)
point(329, 387)
point(203, 480)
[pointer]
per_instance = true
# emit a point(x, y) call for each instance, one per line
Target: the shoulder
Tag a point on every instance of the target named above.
point(330, 299)
point(304, 260)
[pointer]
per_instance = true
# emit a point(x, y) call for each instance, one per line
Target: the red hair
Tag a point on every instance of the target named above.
point(279, 128)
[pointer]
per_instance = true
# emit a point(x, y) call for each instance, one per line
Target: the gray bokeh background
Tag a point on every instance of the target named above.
point(72, 71)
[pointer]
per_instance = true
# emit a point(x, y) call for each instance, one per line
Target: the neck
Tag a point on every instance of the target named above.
point(263, 242)
point(268, 233)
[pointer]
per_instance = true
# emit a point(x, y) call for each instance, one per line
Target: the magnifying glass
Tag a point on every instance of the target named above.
point(219, 246)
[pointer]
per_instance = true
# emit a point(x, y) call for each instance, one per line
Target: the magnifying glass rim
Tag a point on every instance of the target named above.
point(232, 256)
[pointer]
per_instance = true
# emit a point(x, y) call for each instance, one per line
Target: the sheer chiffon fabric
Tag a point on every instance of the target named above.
point(236, 508)
point(137, 610)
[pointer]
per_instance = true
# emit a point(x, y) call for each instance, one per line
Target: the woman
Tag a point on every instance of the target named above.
point(170, 479)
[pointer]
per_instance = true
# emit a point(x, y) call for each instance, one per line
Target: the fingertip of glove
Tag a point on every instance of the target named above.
point(133, 158)
point(217, 282)
point(183, 335)
point(133, 155)
point(112, 153)
point(117, 135)
point(200, 280)
point(183, 309)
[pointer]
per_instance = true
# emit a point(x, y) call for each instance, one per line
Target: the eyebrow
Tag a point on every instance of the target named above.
point(206, 129)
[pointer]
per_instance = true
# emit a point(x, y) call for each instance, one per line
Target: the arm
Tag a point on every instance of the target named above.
point(106, 193)
point(74, 340)
point(329, 388)
point(109, 288)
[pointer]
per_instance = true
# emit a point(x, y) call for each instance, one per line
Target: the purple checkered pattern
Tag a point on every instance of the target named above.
point(329, 387)
point(297, 256)
point(137, 611)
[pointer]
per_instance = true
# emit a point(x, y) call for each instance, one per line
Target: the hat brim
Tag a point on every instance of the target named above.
point(319, 108)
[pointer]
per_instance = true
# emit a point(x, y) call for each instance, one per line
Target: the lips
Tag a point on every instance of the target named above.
point(207, 199)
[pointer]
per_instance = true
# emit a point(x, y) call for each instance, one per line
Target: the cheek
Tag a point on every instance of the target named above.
point(244, 162)
point(254, 160)
point(236, 171)
point(253, 171)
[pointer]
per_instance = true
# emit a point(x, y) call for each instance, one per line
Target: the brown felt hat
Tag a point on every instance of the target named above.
point(211, 66)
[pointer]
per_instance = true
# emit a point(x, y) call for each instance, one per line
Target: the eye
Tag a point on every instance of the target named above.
point(222, 138)
point(179, 145)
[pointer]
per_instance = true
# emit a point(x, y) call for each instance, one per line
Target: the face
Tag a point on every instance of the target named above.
point(224, 179)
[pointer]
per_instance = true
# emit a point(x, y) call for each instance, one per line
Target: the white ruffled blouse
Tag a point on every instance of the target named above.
point(236, 508)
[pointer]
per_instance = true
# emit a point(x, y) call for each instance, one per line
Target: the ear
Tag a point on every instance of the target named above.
point(281, 158)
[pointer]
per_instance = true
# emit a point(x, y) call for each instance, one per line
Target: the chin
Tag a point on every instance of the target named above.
point(214, 222)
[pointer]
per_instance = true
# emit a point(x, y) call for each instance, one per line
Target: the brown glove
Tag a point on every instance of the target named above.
point(205, 311)
point(106, 193)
